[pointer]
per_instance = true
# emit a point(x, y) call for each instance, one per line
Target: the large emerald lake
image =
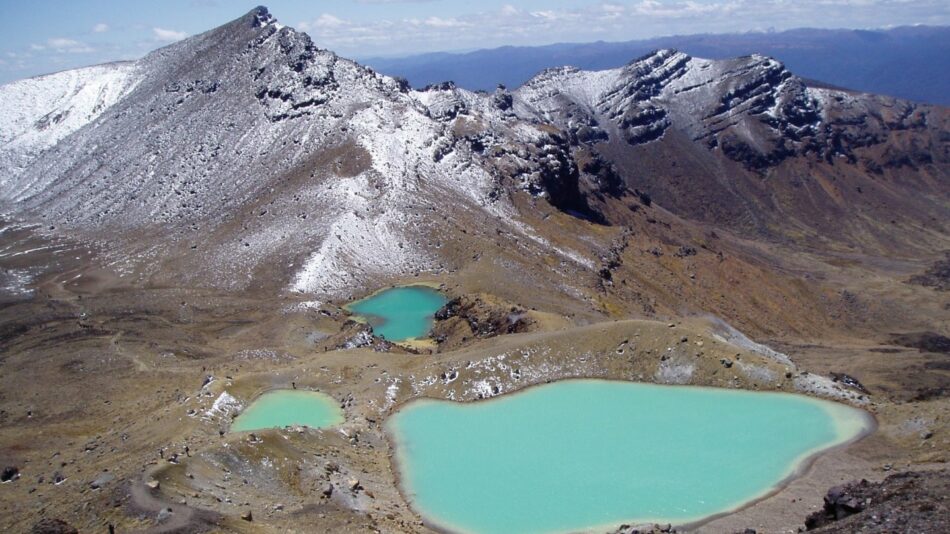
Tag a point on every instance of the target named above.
point(400, 313)
point(581, 455)
point(288, 407)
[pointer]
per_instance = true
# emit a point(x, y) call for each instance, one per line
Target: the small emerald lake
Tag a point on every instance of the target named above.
point(400, 313)
point(580, 455)
point(288, 407)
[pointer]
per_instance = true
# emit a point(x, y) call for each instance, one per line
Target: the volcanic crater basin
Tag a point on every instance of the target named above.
point(400, 313)
point(289, 407)
point(579, 455)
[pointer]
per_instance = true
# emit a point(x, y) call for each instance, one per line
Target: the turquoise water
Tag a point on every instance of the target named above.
point(400, 313)
point(583, 454)
point(288, 407)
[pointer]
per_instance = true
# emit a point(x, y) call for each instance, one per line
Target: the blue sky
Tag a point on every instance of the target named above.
point(41, 36)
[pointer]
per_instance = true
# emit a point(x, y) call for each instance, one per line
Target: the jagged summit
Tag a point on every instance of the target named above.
point(260, 16)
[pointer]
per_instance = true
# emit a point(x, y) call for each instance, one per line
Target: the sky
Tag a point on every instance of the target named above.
point(43, 36)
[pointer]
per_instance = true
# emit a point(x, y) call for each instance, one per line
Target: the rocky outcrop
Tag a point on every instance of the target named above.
point(937, 276)
point(905, 502)
point(53, 526)
point(923, 341)
point(466, 318)
point(356, 335)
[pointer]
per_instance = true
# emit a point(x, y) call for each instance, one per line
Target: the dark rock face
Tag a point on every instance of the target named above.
point(643, 125)
point(502, 99)
point(53, 526)
point(849, 381)
point(923, 341)
point(467, 317)
point(628, 105)
point(937, 276)
point(905, 502)
point(649, 74)
point(449, 310)
point(549, 168)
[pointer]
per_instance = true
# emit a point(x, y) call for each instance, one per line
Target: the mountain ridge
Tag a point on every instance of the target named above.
point(859, 60)
point(254, 94)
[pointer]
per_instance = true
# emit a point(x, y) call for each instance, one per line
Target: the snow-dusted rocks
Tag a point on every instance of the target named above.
point(248, 155)
point(36, 113)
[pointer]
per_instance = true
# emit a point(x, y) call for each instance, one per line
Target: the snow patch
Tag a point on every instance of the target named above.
point(724, 332)
point(224, 406)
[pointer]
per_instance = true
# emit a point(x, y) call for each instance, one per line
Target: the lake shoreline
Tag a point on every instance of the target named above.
point(799, 468)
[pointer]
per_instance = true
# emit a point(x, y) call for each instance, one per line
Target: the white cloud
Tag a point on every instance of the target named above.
point(437, 22)
point(327, 20)
point(323, 23)
point(547, 15)
point(168, 35)
point(62, 44)
point(617, 20)
point(102, 27)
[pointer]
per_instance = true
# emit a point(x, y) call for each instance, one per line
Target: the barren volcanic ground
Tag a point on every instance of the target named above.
point(182, 233)
point(110, 387)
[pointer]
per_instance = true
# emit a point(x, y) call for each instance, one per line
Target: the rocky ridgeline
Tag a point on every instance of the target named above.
point(248, 145)
point(629, 104)
point(752, 109)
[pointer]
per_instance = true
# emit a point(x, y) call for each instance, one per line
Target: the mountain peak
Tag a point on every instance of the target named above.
point(660, 54)
point(259, 16)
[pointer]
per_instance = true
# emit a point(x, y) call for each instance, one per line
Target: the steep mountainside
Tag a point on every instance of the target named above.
point(747, 144)
point(249, 146)
point(38, 112)
point(247, 156)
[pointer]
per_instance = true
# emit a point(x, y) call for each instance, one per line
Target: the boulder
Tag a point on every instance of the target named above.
point(164, 514)
point(101, 480)
point(10, 473)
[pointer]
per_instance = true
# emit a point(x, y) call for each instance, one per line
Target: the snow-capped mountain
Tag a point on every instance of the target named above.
point(746, 143)
point(249, 156)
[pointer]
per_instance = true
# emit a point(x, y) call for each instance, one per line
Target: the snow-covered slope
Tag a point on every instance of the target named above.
point(755, 98)
point(37, 113)
point(247, 155)
point(248, 147)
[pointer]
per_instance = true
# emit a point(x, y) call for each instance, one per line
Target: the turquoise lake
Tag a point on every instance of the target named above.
point(288, 407)
point(400, 313)
point(581, 455)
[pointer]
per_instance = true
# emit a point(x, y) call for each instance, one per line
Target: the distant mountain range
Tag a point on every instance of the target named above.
point(911, 62)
